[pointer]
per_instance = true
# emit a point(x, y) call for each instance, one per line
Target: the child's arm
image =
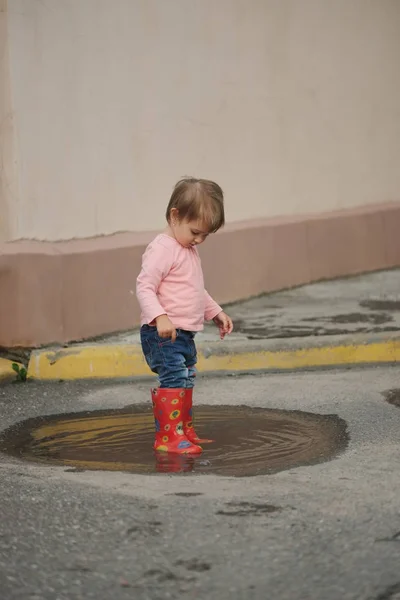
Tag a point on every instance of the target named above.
point(214, 311)
point(156, 264)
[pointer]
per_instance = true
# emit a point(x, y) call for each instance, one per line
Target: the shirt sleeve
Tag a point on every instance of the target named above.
point(212, 309)
point(156, 264)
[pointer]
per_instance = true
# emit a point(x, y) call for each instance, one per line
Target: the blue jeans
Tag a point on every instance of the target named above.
point(174, 363)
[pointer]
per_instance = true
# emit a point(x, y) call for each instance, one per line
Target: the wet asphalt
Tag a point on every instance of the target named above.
point(324, 531)
point(363, 305)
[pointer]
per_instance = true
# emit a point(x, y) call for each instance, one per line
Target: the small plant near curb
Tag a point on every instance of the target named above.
point(21, 373)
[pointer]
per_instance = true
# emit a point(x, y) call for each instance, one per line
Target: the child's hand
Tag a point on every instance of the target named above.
point(165, 328)
point(224, 324)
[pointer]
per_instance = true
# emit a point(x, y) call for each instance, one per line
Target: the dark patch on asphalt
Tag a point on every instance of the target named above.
point(294, 331)
point(186, 494)
point(194, 564)
point(374, 318)
point(383, 329)
point(390, 593)
point(274, 306)
point(381, 304)
point(393, 538)
point(150, 528)
point(249, 441)
point(245, 509)
point(80, 568)
point(162, 576)
point(392, 396)
point(260, 329)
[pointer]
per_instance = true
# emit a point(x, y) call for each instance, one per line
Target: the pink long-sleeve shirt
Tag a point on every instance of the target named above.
point(171, 282)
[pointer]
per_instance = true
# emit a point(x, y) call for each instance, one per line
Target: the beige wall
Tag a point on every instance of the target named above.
point(292, 105)
point(7, 174)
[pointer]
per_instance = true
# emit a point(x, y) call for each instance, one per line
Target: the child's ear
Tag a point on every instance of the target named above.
point(174, 216)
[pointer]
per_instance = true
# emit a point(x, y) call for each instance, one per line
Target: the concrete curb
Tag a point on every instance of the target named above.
point(116, 361)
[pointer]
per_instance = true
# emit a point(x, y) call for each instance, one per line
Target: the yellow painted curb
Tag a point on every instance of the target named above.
point(6, 370)
point(120, 361)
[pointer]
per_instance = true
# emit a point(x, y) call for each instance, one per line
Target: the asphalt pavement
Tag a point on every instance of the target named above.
point(328, 531)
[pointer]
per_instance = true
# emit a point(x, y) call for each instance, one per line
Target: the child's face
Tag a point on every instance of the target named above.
point(189, 233)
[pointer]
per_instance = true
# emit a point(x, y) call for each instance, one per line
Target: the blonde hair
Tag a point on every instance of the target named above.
point(198, 200)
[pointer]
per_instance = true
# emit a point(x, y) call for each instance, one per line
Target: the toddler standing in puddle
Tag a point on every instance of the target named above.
point(174, 305)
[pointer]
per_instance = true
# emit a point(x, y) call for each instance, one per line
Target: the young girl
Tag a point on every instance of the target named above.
point(174, 305)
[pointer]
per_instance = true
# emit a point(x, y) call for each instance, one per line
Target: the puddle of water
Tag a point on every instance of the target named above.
point(249, 441)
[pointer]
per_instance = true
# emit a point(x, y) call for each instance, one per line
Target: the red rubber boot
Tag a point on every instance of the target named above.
point(187, 412)
point(167, 409)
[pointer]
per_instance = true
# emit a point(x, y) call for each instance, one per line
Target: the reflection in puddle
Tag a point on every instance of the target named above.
point(249, 441)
